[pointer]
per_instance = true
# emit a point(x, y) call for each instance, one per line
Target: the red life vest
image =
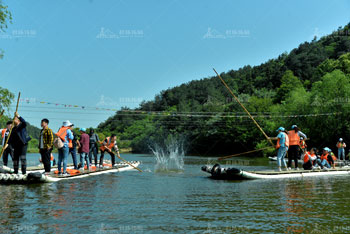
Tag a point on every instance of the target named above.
point(294, 137)
point(109, 144)
point(62, 132)
point(3, 132)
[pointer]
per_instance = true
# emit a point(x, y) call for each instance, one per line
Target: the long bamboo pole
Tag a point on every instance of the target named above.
point(252, 118)
point(248, 152)
point(124, 160)
point(8, 137)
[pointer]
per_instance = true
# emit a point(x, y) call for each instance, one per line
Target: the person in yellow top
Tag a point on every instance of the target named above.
point(341, 149)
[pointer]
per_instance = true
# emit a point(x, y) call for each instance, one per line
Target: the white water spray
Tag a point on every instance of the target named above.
point(170, 157)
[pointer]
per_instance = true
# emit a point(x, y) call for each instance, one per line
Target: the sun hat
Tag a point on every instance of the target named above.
point(67, 123)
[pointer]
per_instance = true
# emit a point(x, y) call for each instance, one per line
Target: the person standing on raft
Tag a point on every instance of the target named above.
point(84, 149)
point(66, 136)
point(282, 146)
point(9, 150)
point(108, 145)
point(19, 141)
point(45, 145)
point(294, 140)
point(93, 146)
point(341, 149)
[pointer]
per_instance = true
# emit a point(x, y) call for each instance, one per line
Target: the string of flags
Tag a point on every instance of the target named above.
point(217, 114)
point(175, 113)
point(30, 100)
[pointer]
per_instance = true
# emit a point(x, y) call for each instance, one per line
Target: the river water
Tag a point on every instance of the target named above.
point(184, 201)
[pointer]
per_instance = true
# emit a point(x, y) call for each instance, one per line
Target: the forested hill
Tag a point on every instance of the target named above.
point(309, 86)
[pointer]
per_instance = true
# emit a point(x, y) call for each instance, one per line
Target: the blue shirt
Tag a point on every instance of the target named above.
point(69, 135)
point(282, 137)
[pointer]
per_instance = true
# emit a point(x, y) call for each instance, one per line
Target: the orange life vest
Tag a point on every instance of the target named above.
point(333, 156)
point(340, 145)
point(62, 132)
point(109, 144)
point(286, 142)
point(294, 137)
point(52, 158)
point(326, 157)
point(306, 156)
point(3, 132)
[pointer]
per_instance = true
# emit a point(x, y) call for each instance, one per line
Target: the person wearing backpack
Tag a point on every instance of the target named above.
point(66, 136)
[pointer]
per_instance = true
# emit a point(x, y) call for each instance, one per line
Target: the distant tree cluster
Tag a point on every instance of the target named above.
point(309, 87)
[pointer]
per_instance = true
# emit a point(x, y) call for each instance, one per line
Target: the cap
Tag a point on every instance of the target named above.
point(340, 139)
point(294, 126)
point(280, 129)
point(82, 129)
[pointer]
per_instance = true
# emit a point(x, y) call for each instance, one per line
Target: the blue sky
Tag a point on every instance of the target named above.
point(55, 51)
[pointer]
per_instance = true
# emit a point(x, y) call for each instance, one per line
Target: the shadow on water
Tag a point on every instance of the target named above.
point(169, 156)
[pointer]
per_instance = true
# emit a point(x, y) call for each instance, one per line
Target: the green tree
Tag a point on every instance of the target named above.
point(289, 83)
point(5, 18)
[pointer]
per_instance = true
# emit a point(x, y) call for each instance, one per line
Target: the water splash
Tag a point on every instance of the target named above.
point(170, 156)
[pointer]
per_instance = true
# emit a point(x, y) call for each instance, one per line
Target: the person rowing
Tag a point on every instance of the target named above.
point(108, 145)
point(282, 146)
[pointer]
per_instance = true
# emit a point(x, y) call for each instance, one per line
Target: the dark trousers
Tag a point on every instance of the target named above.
point(93, 150)
point(102, 155)
point(308, 165)
point(19, 153)
point(8, 151)
point(46, 159)
point(73, 151)
point(293, 154)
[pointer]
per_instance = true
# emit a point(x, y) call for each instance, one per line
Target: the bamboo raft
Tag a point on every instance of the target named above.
point(35, 175)
point(219, 173)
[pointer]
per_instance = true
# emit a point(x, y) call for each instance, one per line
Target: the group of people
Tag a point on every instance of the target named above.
point(16, 144)
point(292, 143)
